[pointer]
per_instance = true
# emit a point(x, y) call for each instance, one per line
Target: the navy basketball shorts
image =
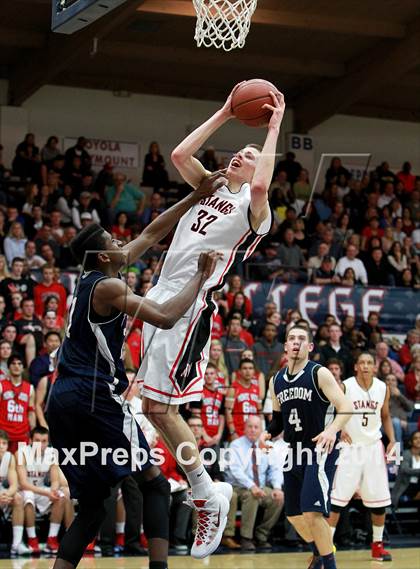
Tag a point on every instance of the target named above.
point(81, 417)
point(308, 481)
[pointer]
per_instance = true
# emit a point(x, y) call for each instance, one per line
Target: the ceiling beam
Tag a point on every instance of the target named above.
point(296, 20)
point(366, 75)
point(238, 60)
point(13, 37)
point(61, 51)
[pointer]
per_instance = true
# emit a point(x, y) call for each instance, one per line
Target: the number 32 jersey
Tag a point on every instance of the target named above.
point(220, 222)
point(306, 410)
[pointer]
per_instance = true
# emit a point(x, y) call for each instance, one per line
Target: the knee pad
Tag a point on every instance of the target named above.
point(156, 499)
point(377, 511)
point(336, 509)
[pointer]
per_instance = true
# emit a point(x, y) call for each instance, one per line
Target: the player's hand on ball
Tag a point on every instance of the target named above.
point(210, 184)
point(227, 107)
point(207, 263)
point(277, 109)
point(325, 441)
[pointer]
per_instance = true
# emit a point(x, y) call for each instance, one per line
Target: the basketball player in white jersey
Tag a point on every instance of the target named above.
point(361, 466)
point(234, 220)
point(39, 480)
point(10, 500)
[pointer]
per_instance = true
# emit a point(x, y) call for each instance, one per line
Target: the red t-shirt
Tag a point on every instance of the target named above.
point(218, 330)
point(14, 410)
point(169, 466)
point(134, 343)
point(408, 180)
point(230, 297)
point(245, 404)
point(211, 408)
point(42, 292)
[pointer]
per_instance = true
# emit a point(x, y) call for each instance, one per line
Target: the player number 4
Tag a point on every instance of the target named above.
point(294, 420)
point(203, 220)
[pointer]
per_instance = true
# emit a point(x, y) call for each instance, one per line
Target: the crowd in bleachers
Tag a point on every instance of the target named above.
point(355, 232)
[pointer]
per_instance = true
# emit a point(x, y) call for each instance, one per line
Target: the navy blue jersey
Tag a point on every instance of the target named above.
point(305, 409)
point(92, 348)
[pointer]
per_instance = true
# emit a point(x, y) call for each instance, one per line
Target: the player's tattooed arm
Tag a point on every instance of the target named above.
point(264, 169)
point(388, 426)
point(166, 221)
point(114, 294)
point(326, 440)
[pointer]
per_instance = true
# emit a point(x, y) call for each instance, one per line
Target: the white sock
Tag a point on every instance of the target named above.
point(31, 532)
point(54, 529)
point(17, 535)
point(332, 532)
point(378, 533)
point(119, 527)
point(200, 482)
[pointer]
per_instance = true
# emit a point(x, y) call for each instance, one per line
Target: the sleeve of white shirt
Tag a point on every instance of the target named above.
point(239, 466)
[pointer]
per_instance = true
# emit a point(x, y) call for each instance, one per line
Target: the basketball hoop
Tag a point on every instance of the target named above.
point(223, 24)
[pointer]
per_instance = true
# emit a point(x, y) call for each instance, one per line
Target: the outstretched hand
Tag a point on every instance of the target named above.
point(210, 184)
point(277, 108)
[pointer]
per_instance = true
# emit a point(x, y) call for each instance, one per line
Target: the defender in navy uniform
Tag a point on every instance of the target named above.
point(86, 403)
point(304, 396)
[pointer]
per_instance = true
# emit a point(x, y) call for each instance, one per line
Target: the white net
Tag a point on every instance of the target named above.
point(223, 24)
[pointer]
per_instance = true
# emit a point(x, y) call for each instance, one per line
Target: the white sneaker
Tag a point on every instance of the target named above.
point(211, 521)
point(20, 549)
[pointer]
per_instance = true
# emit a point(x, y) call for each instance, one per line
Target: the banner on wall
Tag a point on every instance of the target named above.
point(121, 155)
point(398, 307)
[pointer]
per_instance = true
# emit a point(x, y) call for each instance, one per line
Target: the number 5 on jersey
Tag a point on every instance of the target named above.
point(294, 420)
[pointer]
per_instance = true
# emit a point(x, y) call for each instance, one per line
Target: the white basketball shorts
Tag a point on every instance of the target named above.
point(173, 361)
point(362, 469)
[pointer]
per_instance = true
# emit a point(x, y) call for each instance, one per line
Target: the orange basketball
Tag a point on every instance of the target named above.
point(248, 100)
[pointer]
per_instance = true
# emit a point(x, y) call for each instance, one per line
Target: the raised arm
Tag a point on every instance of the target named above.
point(328, 385)
point(387, 425)
point(264, 170)
point(115, 293)
point(182, 156)
point(166, 221)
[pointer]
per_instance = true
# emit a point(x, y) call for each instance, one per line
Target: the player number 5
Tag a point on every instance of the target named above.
point(294, 420)
point(365, 420)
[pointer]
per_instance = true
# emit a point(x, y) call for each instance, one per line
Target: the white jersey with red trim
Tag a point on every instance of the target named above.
point(221, 223)
point(38, 464)
point(364, 426)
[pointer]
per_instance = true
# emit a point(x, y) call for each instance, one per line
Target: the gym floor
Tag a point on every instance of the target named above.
point(404, 558)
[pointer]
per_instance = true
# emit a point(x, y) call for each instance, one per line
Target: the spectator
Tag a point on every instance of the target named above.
point(412, 380)
point(382, 352)
point(79, 151)
point(388, 195)
point(239, 305)
point(14, 243)
point(123, 196)
point(336, 367)
point(2, 229)
point(236, 285)
point(351, 261)
point(337, 172)
point(343, 231)
point(211, 408)
point(337, 350)
point(325, 274)
point(16, 282)
point(384, 174)
point(289, 253)
point(242, 399)
point(20, 395)
point(400, 408)
point(232, 344)
point(290, 166)
point(267, 266)
point(217, 358)
point(209, 159)
point(33, 261)
point(407, 178)
point(372, 230)
point(66, 259)
point(316, 260)
point(121, 230)
point(29, 329)
point(154, 173)
point(384, 369)
point(302, 187)
point(156, 207)
point(255, 483)
point(84, 205)
point(47, 287)
point(267, 350)
point(26, 162)
point(44, 364)
point(5, 353)
point(50, 150)
point(407, 223)
point(349, 278)
point(398, 261)
point(378, 269)
point(404, 355)
point(408, 479)
point(44, 236)
point(4, 271)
